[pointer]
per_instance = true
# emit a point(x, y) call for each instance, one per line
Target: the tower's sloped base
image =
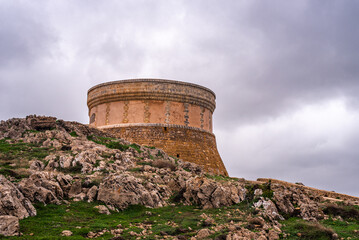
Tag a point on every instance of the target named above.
point(189, 144)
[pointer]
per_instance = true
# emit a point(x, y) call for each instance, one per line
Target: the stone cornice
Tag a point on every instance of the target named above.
point(151, 89)
point(151, 80)
point(123, 125)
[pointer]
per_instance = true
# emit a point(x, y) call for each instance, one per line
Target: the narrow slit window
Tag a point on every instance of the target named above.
point(177, 155)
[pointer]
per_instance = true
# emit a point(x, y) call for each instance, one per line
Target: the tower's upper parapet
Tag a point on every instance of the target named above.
point(172, 115)
point(151, 101)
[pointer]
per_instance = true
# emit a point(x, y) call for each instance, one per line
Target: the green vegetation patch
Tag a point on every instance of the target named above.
point(81, 218)
point(346, 212)
point(15, 156)
point(73, 134)
point(324, 229)
point(112, 143)
point(150, 147)
point(300, 229)
point(15, 150)
point(266, 188)
point(220, 177)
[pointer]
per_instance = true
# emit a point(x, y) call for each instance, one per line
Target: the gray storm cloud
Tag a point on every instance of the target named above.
point(270, 64)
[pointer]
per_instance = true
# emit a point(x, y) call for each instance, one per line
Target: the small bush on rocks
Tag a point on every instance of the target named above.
point(164, 164)
point(73, 134)
point(346, 212)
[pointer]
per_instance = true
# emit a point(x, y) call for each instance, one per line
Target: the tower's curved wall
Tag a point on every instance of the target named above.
point(172, 115)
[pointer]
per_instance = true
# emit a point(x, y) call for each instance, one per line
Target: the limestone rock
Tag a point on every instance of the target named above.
point(9, 225)
point(37, 165)
point(41, 187)
point(103, 209)
point(124, 189)
point(211, 194)
point(308, 203)
point(66, 233)
point(269, 209)
point(75, 189)
point(203, 233)
point(13, 202)
point(91, 194)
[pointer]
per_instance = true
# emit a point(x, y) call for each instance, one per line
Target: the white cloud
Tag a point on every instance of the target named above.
point(309, 144)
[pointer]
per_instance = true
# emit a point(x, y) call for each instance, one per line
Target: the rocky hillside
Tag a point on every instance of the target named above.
point(61, 178)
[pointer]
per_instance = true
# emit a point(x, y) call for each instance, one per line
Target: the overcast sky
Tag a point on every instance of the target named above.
point(286, 73)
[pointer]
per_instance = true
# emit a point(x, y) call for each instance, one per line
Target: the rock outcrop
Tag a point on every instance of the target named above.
point(80, 163)
point(13, 202)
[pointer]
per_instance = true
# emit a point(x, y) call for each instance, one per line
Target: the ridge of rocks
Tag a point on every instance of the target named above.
point(85, 164)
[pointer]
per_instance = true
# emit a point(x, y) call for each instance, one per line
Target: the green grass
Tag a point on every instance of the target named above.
point(150, 147)
point(300, 229)
point(24, 150)
point(144, 163)
point(219, 177)
point(159, 154)
point(136, 147)
point(112, 143)
point(322, 230)
point(81, 218)
point(73, 134)
point(266, 188)
point(16, 155)
point(117, 145)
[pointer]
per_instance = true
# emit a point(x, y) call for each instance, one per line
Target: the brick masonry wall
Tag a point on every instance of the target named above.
point(189, 144)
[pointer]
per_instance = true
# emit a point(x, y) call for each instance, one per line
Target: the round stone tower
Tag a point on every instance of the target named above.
point(172, 115)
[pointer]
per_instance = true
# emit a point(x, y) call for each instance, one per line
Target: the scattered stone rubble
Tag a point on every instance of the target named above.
point(82, 170)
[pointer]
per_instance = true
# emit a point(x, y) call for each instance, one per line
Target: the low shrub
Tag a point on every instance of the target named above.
point(73, 134)
point(255, 223)
point(346, 212)
point(164, 164)
point(311, 230)
point(117, 145)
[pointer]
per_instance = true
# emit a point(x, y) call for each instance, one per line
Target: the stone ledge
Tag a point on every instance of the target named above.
point(134, 80)
point(323, 193)
point(106, 98)
point(151, 89)
point(152, 125)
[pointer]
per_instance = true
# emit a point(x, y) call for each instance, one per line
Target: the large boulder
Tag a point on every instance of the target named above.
point(13, 202)
point(41, 187)
point(269, 209)
point(306, 201)
point(123, 190)
point(9, 225)
point(212, 194)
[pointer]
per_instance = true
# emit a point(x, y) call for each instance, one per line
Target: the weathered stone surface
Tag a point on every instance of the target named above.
point(75, 189)
point(13, 202)
point(103, 209)
point(170, 115)
point(9, 225)
point(92, 193)
point(209, 193)
point(66, 233)
point(124, 189)
point(269, 209)
point(41, 187)
point(307, 202)
point(36, 165)
point(203, 233)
